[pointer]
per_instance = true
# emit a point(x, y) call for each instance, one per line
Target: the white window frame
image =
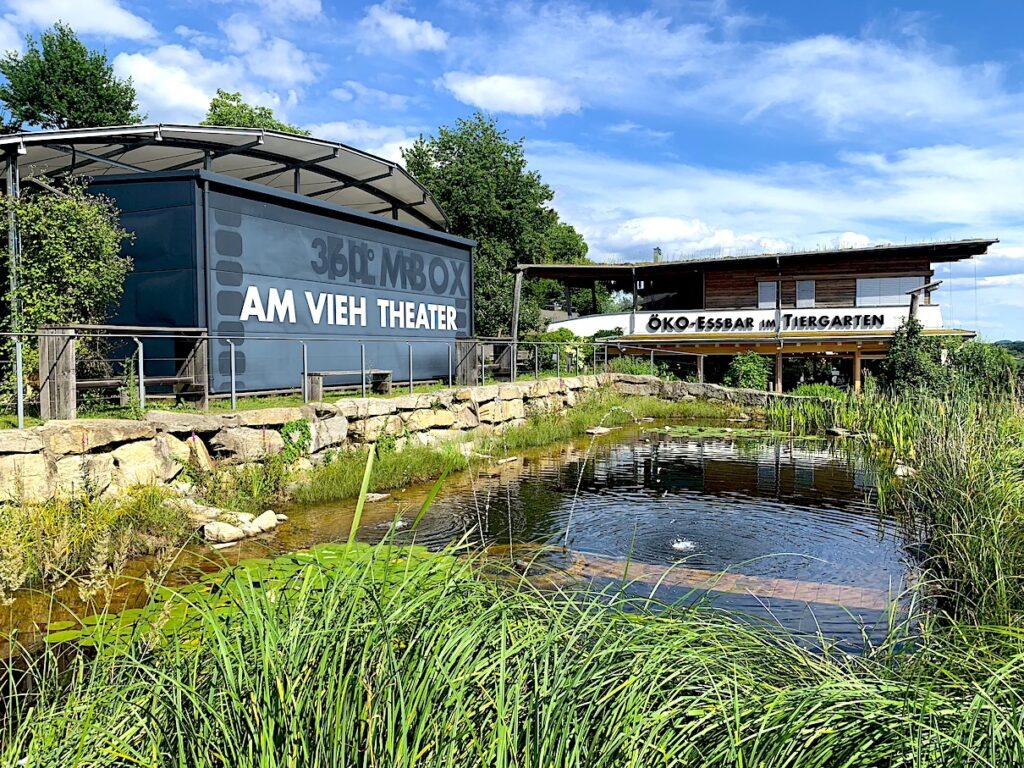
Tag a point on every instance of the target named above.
point(762, 301)
point(805, 301)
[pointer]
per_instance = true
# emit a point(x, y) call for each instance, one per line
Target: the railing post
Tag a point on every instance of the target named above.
point(362, 369)
point(558, 361)
point(652, 361)
point(606, 357)
point(305, 373)
point(20, 378)
point(410, 366)
point(536, 362)
point(234, 396)
point(141, 371)
point(451, 373)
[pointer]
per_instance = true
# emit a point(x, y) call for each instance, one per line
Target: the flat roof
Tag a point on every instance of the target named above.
point(950, 250)
point(322, 170)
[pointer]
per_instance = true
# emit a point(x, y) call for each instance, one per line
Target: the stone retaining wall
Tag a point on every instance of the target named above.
point(110, 454)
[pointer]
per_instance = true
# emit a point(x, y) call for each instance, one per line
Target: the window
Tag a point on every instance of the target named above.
point(886, 291)
point(766, 295)
point(805, 294)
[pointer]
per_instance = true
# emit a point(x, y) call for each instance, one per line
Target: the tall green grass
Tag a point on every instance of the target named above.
point(361, 656)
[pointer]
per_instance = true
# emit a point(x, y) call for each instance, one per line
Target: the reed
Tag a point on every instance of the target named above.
point(385, 656)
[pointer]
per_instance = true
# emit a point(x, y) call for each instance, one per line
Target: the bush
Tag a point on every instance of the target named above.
point(914, 361)
point(748, 370)
point(639, 366)
point(988, 367)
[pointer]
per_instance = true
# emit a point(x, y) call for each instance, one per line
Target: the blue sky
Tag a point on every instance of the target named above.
point(700, 127)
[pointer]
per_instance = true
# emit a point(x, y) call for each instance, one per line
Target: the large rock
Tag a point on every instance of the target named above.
point(84, 435)
point(370, 430)
point(430, 418)
point(515, 391)
point(26, 477)
point(498, 411)
point(91, 473)
point(222, 533)
point(267, 417)
point(465, 416)
point(478, 394)
point(20, 441)
point(365, 407)
point(180, 423)
point(149, 461)
point(239, 445)
point(549, 404)
point(328, 433)
point(546, 387)
point(419, 402)
point(199, 514)
point(198, 455)
point(265, 522)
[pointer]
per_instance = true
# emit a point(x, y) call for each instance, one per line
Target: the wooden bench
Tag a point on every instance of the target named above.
point(379, 380)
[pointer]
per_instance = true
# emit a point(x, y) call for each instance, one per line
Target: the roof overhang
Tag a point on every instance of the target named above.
point(323, 170)
point(951, 250)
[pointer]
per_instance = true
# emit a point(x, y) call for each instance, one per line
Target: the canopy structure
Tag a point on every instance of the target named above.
point(324, 170)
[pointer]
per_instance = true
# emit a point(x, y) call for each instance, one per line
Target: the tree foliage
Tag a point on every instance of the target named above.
point(481, 179)
point(71, 268)
point(59, 83)
point(229, 110)
point(749, 370)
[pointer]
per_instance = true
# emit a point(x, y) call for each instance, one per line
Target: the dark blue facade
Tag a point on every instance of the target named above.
point(272, 273)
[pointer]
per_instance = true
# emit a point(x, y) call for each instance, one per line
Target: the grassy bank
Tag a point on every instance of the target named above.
point(381, 657)
point(340, 477)
point(53, 541)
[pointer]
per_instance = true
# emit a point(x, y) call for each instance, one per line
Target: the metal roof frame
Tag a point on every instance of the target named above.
point(354, 178)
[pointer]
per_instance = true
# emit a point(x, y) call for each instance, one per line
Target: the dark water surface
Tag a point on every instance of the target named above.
point(793, 525)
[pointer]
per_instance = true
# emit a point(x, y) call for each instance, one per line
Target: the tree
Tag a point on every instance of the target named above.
point(914, 361)
point(987, 367)
point(228, 109)
point(59, 83)
point(71, 268)
point(481, 179)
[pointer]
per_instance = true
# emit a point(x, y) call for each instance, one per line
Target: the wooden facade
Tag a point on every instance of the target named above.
point(844, 303)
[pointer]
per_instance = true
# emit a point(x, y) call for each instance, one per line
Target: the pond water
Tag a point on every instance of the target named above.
point(773, 530)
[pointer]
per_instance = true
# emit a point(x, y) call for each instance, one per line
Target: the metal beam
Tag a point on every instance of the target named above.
point(208, 157)
point(292, 166)
point(96, 158)
point(347, 184)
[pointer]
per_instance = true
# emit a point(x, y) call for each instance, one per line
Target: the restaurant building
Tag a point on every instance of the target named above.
point(839, 305)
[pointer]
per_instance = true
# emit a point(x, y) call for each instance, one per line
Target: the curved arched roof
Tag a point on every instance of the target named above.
point(324, 170)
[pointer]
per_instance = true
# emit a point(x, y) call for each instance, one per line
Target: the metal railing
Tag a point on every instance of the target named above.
point(105, 368)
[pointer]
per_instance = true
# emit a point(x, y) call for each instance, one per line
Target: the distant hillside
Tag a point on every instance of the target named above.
point(1017, 347)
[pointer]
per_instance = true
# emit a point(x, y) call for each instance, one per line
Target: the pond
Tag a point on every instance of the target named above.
point(768, 529)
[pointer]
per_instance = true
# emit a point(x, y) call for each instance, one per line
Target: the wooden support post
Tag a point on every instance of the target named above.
point(467, 362)
point(516, 298)
point(856, 370)
point(778, 371)
point(57, 381)
point(315, 384)
point(196, 367)
point(700, 368)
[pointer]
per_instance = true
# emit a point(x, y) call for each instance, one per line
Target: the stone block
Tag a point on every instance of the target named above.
point(149, 461)
point(478, 394)
point(267, 417)
point(20, 441)
point(465, 416)
point(572, 383)
point(370, 430)
point(221, 532)
point(430, 418)
point(498, 411)
point(365, 407)
point(92, 473)
point(62, 437)
point(238, 445)
point(328, 433)
point(185, 423)
point(26, 477)
point(198, 455)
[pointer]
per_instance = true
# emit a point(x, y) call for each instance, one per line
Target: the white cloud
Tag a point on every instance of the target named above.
point(10, 39)
point(355, 91)
point(628, 127)
point(273, 59)
point(89, 17)
point(382, 140)
point(289, 9)
point(515, 94)
point(382, 24)
point(175, 83)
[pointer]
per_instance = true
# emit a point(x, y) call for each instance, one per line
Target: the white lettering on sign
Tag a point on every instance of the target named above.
point(344, 309)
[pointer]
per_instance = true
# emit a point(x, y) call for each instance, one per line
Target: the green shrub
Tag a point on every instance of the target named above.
point(639, 366)
point(988, 367)
point(914, 361)
point(748, 370)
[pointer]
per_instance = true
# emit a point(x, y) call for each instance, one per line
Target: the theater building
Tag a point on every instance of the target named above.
point(835, 305)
